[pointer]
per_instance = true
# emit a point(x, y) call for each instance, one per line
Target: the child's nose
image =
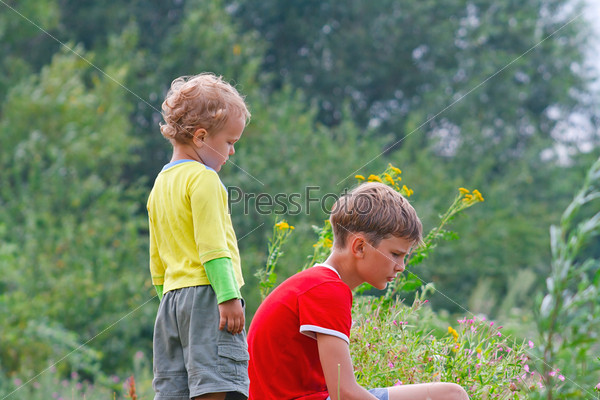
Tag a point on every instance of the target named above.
point(231, 150)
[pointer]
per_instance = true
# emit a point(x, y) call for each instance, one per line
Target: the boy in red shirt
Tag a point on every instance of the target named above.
point(299, 337)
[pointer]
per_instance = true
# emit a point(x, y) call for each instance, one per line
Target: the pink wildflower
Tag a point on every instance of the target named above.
point(530, 344)
point(399, 382)
point(561, 378)
point(391, 365)
point(526, 367)
point(598, 386)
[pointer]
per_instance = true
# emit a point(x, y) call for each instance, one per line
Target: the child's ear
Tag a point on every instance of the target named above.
point(199, 136)
point(358, 245)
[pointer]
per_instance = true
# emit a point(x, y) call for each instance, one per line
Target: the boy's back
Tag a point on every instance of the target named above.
point(284, 358)
point(176, 225)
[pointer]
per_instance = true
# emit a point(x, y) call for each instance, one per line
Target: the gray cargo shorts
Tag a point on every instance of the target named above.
point(192, 356)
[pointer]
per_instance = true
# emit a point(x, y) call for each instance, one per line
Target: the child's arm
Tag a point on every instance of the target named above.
point(222, 279)
point(334, 351)
point(157, 268)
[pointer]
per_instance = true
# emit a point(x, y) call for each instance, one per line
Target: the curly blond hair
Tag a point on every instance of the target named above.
point(199, 101)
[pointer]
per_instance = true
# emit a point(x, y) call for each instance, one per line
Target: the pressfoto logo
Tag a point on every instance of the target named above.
point(309, 201)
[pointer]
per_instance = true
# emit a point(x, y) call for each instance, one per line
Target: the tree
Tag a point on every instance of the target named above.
point(73, 263)
point(470, 93)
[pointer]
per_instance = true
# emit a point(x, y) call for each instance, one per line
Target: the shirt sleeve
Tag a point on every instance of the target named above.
point(209, 213)
point(221, 277)
point(326, 309)
point(157, 267)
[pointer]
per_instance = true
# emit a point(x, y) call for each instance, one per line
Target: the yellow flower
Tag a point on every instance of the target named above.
point(477, 195)
point(396, 170)
point(359, 177)
point(374, 178)
point(237, 49)
point(388, 178)
point(408, 192)
point(282, 226)
point(463, 190)
point(468, 198)
point(479, 350)
point(453, 332)
point(327, 243)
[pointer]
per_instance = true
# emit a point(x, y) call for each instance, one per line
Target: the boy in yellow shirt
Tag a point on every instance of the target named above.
point(200, 349)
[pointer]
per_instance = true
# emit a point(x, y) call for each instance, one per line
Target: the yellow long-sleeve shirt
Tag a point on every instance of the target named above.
point(189, 226)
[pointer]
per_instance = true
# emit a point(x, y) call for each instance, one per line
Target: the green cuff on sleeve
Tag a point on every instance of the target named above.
point(222, 279)
point(159, 291)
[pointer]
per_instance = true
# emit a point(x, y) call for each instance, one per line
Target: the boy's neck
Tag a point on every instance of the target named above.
point(342, 261)
point(184, 152)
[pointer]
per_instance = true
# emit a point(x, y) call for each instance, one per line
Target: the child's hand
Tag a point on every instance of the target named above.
point(232, 316)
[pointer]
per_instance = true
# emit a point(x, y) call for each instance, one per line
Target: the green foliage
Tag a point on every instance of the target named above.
point(400, 63)
point(394, 344)
point(267, 276)
point(23, 44)
point(569, 314)
point(412, 281)
point(331, 86)
point(72, 258)
point(52, 384)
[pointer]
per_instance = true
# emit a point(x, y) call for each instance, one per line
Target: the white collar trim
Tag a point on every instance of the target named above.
point(330, 267)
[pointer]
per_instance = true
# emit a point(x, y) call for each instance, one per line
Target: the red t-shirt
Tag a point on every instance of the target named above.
point(284, 358)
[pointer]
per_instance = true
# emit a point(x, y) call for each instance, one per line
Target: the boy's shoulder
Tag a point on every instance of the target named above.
point(190, 170)
point(320, 275)
point(188, 165)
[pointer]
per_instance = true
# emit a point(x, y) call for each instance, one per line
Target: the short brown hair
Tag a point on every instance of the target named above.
point(377, 211)
point(199, 101)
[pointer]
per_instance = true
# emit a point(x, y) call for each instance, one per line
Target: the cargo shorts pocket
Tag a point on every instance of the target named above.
point(233, 359)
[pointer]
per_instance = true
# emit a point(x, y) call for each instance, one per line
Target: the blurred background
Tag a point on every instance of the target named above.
point(497, 96)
